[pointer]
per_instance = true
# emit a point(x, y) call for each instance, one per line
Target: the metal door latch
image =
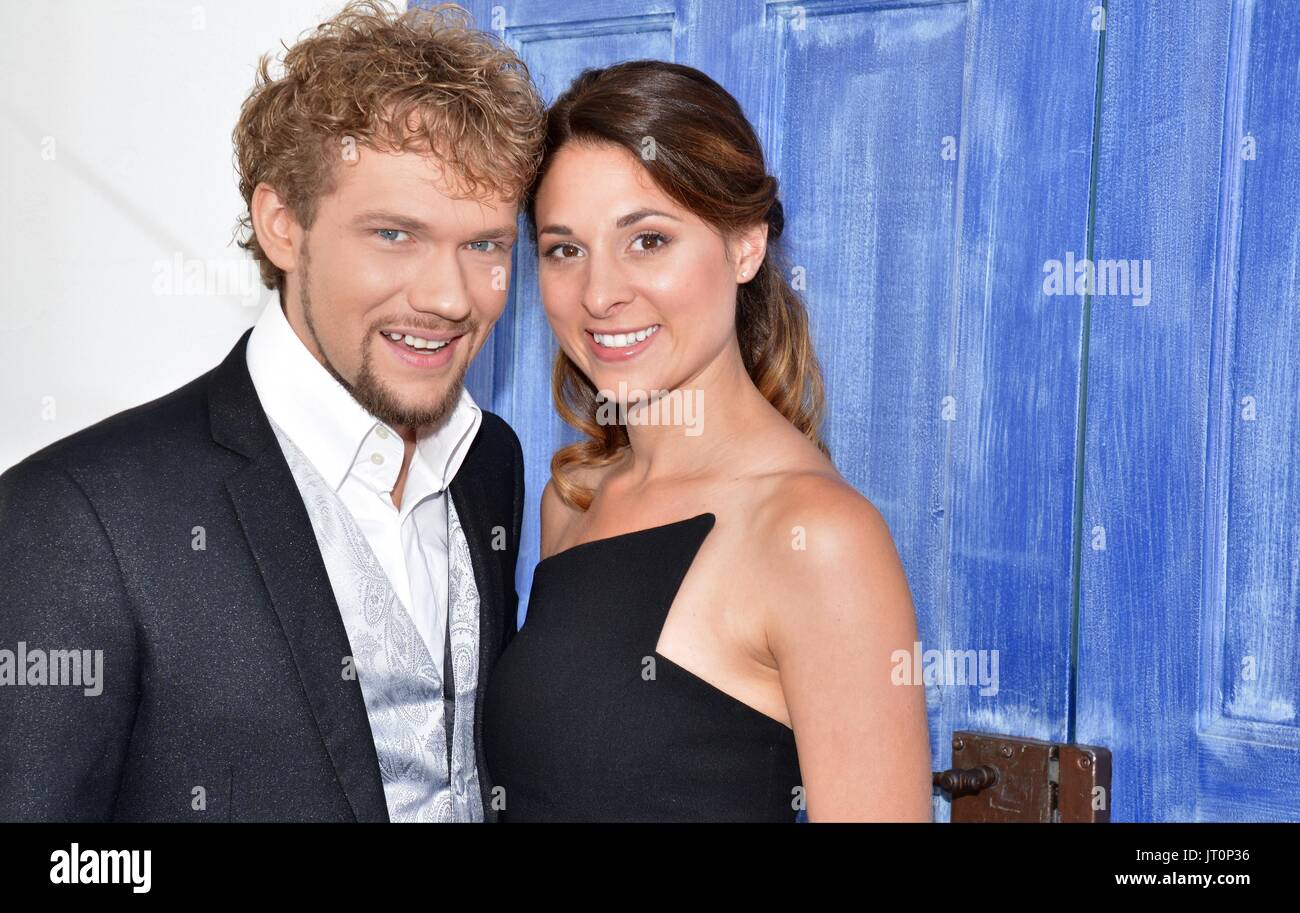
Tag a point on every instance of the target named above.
point(1003, 778)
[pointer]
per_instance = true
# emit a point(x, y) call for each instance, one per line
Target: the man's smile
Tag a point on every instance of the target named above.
point(431, 351)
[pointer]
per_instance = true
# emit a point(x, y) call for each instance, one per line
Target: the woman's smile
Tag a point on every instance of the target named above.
point(620, 345)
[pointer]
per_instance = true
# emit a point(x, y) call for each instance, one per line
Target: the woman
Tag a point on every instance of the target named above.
point(711, 626)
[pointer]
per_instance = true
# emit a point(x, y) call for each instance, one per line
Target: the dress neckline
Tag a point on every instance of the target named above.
point(627, 535)
point(690, 678)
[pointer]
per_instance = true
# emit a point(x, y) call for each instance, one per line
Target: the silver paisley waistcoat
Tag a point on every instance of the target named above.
point(423, 735)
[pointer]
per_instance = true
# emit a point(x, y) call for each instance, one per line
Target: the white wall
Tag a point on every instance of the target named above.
point(115, 158)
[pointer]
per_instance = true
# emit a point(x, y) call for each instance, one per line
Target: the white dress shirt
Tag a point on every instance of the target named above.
point(361, 457)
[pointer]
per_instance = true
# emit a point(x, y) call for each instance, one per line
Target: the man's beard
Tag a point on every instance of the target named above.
point(368, 390)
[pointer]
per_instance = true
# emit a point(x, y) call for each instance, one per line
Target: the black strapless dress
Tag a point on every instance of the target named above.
point(575, 727)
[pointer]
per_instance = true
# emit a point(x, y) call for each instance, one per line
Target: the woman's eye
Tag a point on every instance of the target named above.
point(648, 236)
point(483, 250)
point(564, 247)
point(388, 234)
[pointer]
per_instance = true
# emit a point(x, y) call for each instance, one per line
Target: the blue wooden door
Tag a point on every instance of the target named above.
point(1096, 543)
point(1189, 641)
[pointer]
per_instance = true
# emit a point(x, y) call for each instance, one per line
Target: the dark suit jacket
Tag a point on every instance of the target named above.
point(222, 666)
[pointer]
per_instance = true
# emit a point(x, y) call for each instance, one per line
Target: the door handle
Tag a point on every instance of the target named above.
point(965, 781)
point(1007, 778)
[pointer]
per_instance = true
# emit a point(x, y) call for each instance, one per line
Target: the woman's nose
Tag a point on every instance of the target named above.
point(607, 288)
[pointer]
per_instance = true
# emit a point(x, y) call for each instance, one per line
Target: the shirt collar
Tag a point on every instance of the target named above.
point(334, 432)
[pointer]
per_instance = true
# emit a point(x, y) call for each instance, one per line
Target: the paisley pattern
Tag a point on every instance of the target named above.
point(463, 616)
point(399, 680)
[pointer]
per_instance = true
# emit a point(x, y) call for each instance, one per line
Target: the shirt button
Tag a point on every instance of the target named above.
point(377, 458)
point(383, 433)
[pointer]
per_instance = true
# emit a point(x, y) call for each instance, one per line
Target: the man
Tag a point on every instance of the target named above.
point(296, 571)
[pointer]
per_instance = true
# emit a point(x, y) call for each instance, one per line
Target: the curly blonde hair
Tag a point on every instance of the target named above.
point(423, 79)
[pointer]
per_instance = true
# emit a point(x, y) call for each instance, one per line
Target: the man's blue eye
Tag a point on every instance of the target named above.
point(387, 233)
point(472, 243)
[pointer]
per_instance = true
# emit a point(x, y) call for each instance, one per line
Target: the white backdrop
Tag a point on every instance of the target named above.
point(119, 280)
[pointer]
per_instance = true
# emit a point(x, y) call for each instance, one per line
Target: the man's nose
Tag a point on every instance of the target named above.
point(440, 291)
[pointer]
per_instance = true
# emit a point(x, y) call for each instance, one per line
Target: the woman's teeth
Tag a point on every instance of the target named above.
point(415, 342)
point(623, 340)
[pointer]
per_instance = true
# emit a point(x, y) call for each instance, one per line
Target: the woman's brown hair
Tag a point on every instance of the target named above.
point(697, 146)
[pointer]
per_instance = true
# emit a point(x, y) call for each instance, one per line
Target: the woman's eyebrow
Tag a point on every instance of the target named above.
point(623, 222)
point(633, 217)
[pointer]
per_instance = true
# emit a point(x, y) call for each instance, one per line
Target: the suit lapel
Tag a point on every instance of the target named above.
point(280, 536)
point(472, 507)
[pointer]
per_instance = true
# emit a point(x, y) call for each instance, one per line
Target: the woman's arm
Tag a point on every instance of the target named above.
point(841, 609)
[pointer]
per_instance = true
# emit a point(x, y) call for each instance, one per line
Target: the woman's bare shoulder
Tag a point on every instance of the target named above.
point(557, 516)
point(818, 544)
point(836, 611)
point(813, 509)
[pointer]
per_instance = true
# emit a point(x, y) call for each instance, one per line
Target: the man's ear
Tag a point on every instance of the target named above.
point(748, 250)
point(278, 232)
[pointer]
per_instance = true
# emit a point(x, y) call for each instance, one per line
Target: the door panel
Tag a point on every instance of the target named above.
point(1189, 642)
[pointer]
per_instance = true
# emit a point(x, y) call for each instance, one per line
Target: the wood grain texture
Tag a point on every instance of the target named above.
point(1188, 646)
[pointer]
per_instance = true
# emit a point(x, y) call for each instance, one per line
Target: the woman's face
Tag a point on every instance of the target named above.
point(638, 290)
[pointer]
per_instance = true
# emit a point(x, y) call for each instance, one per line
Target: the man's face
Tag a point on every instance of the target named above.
point(397, 284)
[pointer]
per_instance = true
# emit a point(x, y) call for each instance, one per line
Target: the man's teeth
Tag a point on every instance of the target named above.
point(623, 340)
point(415, 342)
